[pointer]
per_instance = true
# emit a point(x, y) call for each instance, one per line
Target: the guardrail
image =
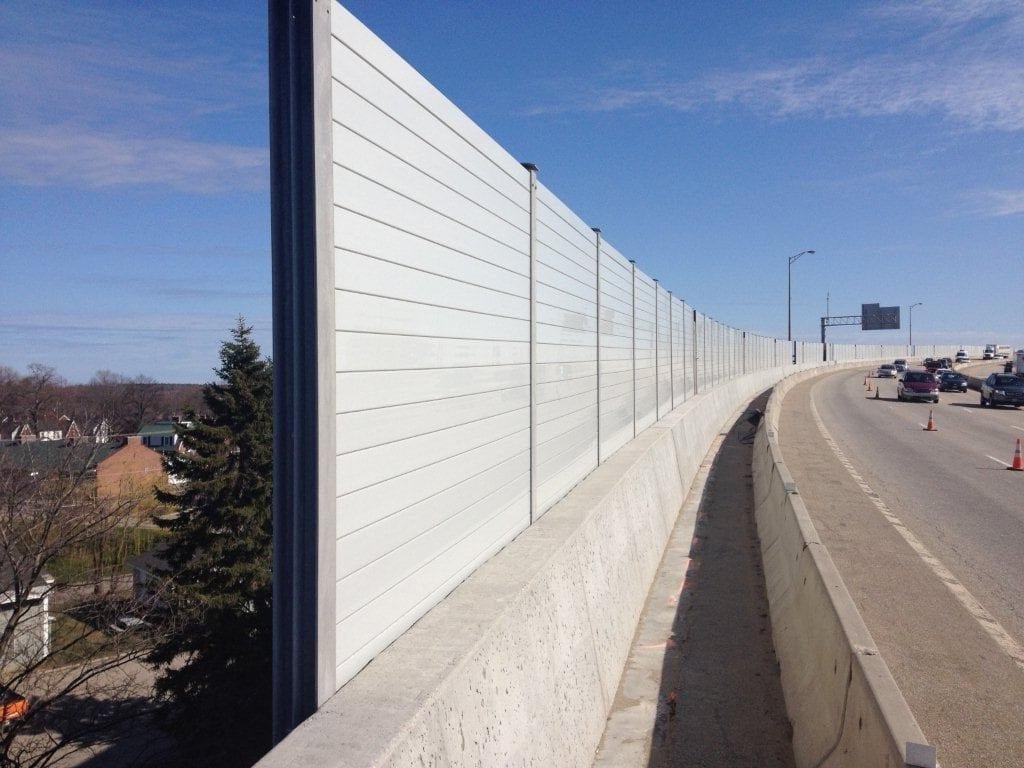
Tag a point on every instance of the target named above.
point(845, 706)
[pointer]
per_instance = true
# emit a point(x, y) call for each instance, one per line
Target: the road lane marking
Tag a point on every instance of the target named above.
point(985, 620)
point(1000, 461)
point(1016, 427)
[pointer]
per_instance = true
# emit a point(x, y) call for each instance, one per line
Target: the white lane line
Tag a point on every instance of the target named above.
point(986, 620)
point(1000, 461)
point(1016, 427)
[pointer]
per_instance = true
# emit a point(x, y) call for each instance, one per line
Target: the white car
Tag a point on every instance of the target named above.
point(962, 357)
point(127, 623)
point(887, 371)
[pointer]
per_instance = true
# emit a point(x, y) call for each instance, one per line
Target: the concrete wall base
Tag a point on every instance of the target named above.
point(519, 665)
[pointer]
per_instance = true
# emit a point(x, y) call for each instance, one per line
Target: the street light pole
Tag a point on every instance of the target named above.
point(911, 323)
point(789, 297)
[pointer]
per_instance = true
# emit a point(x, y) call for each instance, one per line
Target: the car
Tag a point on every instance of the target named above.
point(962, 357)
point(900, 365)
point(127, 623)
point(947, 362)
point(931, 365)
point(951, 381)
point(13, 706)
point(1003, 389)
point(942, 371)
point(918, 385)
point(886, 371)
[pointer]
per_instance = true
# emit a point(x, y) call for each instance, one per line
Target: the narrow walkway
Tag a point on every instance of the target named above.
point(704, 639)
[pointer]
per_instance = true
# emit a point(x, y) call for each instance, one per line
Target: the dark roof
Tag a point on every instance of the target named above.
point(56, 455)
point(7, 574)
point(157, 428)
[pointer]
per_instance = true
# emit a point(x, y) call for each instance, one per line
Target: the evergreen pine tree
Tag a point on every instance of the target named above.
point(214, 659)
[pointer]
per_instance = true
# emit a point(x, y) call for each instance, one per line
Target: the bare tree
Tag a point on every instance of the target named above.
point(144, 398)
point(76, 677)
point(10, 394)
point(40, 392)
point(107, 400)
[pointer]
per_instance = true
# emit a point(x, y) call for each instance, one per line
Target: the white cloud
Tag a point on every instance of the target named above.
point(67, 157)
point(947, 13)
point(103, 97)
point(961, 61)
point(998, 202)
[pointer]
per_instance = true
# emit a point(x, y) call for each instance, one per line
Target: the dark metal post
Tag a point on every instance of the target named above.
point(303, 280)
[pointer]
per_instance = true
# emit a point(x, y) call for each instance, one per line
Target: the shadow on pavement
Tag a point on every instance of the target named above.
point(106, 732)
point(720, 670)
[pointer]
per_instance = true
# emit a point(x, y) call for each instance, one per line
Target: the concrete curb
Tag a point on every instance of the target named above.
point(520, 664)
point(843, 702)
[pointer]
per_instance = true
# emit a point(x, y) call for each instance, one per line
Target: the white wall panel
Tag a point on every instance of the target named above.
point(432, 228)
point(646, 375)
point(488, 342)
point(699, 342)
point(369, 390)
point(616, 338)
point(676, 328)
point(664, 352)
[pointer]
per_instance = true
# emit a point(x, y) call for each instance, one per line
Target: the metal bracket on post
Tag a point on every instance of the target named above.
point(533, 339)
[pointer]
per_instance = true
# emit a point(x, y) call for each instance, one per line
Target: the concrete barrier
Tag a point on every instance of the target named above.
point(844, 704)
point(520, 664)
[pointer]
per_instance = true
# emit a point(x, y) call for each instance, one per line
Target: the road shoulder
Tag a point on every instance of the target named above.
point(963, 690)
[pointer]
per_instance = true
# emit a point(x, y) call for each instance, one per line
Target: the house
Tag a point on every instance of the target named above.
point(146, 569)
point(31, 640)
point(62, 428)
point(162, 436)
point(101, 432)
point(129, 470)
point(50, 457)
point(116, 469)
point(19, 432)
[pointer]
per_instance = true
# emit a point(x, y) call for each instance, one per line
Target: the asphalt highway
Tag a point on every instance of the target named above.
point(927, 529)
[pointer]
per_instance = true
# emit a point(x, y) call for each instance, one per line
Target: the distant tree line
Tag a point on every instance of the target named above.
point(125, 403)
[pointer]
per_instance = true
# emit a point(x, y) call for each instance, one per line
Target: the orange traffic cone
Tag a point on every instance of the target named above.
point(1018, 462)
point(869, 385)
point(876, 394)
point(931, 423)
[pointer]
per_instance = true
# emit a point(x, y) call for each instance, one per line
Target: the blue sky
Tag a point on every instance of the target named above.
point(709, 141)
